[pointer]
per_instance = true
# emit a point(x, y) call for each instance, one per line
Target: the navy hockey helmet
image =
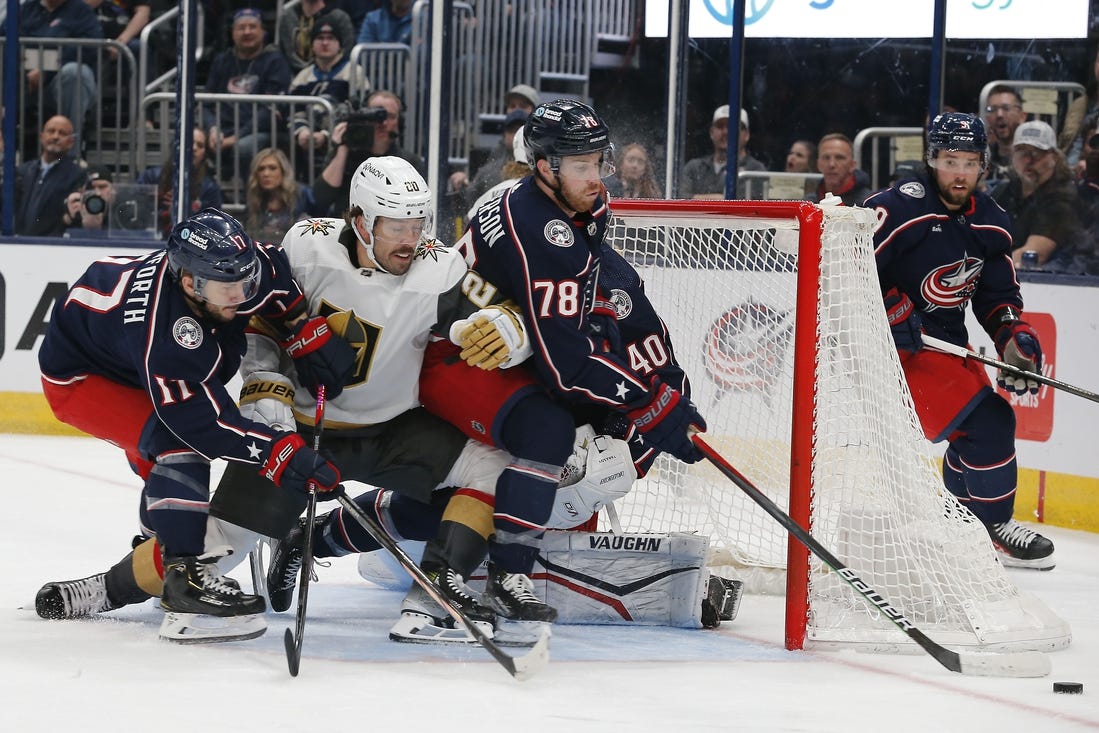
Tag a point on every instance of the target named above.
point(565, 127)
point(213, 247)
point(957, 131)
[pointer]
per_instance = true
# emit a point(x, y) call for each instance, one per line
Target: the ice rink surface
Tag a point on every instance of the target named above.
point(71, 512)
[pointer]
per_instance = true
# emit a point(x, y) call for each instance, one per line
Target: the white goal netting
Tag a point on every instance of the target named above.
point(724, 276)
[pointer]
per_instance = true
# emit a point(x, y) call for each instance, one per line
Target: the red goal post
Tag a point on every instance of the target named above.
point(775, 314)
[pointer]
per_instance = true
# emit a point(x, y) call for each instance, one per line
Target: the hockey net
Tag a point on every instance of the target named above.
point(795, 371)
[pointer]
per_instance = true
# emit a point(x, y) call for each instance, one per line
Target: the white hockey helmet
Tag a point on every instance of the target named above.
point(391, 187)
point(519, 147)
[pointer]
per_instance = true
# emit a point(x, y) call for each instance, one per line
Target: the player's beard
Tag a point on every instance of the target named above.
point(579, 198)
point(210, 312)
point(955, 198)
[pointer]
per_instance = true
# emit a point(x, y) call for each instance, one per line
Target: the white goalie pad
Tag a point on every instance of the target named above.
point(605, 578)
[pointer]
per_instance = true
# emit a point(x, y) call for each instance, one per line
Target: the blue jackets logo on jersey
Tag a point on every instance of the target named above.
point(952, 285)
point(187, 333)
point(913, 189)
point(622, 303)
point(558, 233)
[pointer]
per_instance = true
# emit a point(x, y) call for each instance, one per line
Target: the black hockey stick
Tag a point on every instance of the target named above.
point(1007, 664)
point(520, 667)
point(949, 348)
point(292, 639)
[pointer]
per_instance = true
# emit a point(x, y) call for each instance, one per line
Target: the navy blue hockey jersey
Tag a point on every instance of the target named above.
point(126, 319)
point(944, 261)
point(552, 267)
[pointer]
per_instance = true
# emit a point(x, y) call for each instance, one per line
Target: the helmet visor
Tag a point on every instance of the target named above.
point(224, 294)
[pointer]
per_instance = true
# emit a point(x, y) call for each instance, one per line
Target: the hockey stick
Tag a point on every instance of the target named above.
point(949, 348)
point(520, 667)
point(292, 639)
point(1007, 664)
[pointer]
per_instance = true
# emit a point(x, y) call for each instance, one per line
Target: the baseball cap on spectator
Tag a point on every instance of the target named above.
point(525, 91)
point(1037, 134)
point(516, 118)
point(722, 113)
point(252, 13)
point(99, 173)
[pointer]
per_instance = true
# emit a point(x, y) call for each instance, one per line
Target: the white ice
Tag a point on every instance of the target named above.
point(71, 511)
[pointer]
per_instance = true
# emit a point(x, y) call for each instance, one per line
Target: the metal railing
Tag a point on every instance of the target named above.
point(377, 66)
point(143, 57)
point(779, 185)
point(269, 112)
point(888, 145)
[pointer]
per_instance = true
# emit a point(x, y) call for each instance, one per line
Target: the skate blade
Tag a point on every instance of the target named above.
point(415, 628)
point(519, 633)
point(1042, 563)
point(196, 628)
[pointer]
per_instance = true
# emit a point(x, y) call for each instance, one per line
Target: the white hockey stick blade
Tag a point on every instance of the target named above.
point(528, 665)
point(1006, 664)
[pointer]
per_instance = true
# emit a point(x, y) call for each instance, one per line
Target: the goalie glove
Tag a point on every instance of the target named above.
point(268, 398)
point(599, 471)
point(491, 338)
point(1018, 345)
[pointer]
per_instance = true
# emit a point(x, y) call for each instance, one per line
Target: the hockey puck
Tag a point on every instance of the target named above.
point(1069, 688)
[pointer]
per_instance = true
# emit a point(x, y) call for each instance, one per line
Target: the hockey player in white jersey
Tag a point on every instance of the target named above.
point(388, 288)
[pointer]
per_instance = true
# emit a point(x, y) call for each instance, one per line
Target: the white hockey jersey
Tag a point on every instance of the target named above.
point(387, 319)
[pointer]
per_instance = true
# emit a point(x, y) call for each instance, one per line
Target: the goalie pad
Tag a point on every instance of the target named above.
point(604, 578)
point(492, 338)
point(600, 470)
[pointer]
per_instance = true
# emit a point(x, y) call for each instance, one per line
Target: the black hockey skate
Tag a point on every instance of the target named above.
point(425, 621)
point(511, 596)
point(286, 559)
point(74, 598)
point(204, 606)
point(1021, 547)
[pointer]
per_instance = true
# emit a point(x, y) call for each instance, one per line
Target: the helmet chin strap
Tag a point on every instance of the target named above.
point(369, 247)
point(556, 189)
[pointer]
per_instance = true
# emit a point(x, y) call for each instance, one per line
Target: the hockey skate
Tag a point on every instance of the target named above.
point(521, 615)
point(424, 621)
point(286, 559)
point(1018, 546)
point(74, 598)
point(203, 606)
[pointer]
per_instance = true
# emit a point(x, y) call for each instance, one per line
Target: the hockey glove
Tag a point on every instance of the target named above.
point(603, 327)
point(268, 398)
point(665, 421)
point(904, 321)
point(293, 465)
point(491, 338)
point(320, 357)
point(1017, 344)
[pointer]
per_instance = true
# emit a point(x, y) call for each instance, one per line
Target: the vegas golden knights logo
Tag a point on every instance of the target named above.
point(362, 335)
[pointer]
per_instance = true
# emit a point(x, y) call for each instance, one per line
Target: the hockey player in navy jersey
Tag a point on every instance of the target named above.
point(941, 247)
point(138, 354)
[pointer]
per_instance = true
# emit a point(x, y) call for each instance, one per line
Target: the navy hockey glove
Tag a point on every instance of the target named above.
point(904, 321)
point(666, 421)
point(1017, 343)
point(320, 357)
point(293, 465)
point(603, 327)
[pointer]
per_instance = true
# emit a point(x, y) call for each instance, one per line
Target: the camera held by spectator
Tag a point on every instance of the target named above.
point(360, 124)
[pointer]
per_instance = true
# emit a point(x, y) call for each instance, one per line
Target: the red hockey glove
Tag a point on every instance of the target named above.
point(904, 321)
point(293, 465)
point(666, 419)
point(1017, 344)
point(320, 357)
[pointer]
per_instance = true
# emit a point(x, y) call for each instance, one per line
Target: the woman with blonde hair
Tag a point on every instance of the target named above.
point(274, 200)
point(635, 177)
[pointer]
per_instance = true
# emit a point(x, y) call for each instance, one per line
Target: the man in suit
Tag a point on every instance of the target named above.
point(43, 184)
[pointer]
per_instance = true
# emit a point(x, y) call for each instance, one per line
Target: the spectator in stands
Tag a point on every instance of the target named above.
point(247, 68)
point(634, 177)
point(297, 31)
point(391, 23)
point(841, 175)
point(356, 143)
point(704, 177)
point(521, 96)
point(205, 191)
point(88, 210)
point(802, 157)
point(491, 171)
point(1071, 141)
point(1003, 114)
point(42, 185)
point(357, 10)
point(1041, 198)
point(122, 21)
point(274, 199)
point(328, 76)
point(70, 89)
